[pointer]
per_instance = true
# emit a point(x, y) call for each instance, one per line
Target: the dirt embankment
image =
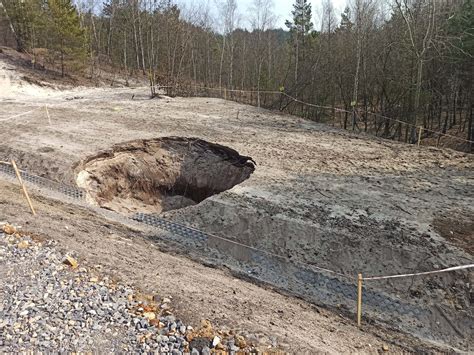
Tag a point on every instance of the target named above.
point(131, 256)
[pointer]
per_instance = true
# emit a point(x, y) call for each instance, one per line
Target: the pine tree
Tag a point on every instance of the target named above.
point(461, 30)
point(22, 16)
point(301, 23)
point(346, 23)
point(300, 27)
point(66, 32)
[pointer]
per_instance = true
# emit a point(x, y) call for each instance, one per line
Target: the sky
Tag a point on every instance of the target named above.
point(282, 9)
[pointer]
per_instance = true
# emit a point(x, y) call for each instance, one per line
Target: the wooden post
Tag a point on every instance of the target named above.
point(47, 114)
point(419, 135)
point(359, 300)
point(23, 187)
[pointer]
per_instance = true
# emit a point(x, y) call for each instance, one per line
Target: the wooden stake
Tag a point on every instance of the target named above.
point(359, 300)
point(419, 135)
point(17, 172)
point(47, 114)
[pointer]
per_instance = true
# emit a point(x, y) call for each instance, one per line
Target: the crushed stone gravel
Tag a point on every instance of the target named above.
point(49, 302)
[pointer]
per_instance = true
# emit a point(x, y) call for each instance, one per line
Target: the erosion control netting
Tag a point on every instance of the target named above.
point(269, 267)
point(66, 190)
point(317, 285)
point(314, 284)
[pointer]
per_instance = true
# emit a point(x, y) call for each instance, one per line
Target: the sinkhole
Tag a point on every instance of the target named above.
point(161, 174)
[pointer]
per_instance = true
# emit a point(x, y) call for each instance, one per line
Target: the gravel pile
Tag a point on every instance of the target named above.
point(50, 303)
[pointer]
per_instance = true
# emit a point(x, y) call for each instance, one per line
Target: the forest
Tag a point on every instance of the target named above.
point(407, 60)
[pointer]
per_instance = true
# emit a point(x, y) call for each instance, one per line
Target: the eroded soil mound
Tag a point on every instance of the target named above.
point(161, 174)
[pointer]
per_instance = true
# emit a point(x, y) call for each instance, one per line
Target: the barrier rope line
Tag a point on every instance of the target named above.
point(461, 267)
point(221, 238)
point(270, 92)
point(20, 114)
point(335, 109)
point(381, 116)
point(174, 227)
point(270, 253)
point(453, 268)
point(35, 109)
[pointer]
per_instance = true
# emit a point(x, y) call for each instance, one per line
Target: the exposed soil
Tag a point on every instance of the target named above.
point(42, 73)
point(161, 174)
point(459, 230)
point(347, 202)
point(128, 254)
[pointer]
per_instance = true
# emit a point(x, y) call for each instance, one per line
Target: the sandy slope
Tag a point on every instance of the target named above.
point(198, 292)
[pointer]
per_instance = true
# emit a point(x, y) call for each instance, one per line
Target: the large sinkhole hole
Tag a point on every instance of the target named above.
point(161, 174)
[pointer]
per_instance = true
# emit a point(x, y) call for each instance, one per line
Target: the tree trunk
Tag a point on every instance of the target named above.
point(470, 130)
point(62, 58)
point(221, 61)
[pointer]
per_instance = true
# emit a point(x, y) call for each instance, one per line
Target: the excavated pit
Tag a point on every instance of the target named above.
point(161, 174)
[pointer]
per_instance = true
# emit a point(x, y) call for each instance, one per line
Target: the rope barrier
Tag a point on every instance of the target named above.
point(453, 268)
point(359, 279)
point(335, 109)
point(247, 246)
point(272, 254)
point(274, 93)
point(381, 116)
point(20, 114)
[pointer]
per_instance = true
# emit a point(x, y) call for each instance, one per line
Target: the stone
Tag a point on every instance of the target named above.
point(240, 341)
point(69, 260)
point(215, 341)
point(9, 229)
point(23, 244)
point(149, 315)
point(144, 324)
point(385, 347)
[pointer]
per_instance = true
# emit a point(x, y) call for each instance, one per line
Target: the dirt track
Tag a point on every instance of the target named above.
point(318, 195)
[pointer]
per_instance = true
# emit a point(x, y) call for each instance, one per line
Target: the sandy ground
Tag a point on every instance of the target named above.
point(319, 195)
point(197, 292)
